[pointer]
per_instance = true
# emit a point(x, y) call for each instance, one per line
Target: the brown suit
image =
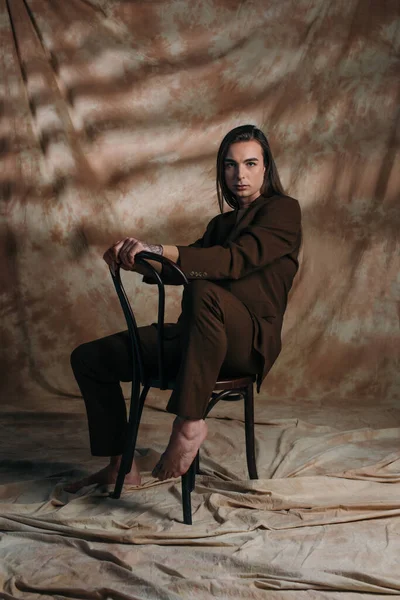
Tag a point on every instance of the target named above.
point(256, 261)
point(232, 312)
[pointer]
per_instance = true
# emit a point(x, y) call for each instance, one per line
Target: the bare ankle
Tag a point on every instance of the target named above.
point(189, 428)
point(115, 461)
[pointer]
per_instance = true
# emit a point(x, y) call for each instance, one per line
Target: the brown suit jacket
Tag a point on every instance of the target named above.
point(256, 260)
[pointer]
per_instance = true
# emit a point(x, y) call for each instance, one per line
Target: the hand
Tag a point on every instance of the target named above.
point(124, 251)
point(127, 251)
point(111, 255)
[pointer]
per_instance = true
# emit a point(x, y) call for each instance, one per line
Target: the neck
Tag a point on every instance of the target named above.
point(243, 204)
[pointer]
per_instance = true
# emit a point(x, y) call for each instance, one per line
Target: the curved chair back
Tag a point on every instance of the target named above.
point(242, 387)
point(139, 375)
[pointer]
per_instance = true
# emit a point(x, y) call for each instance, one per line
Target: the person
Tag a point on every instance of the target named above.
point(240, 273)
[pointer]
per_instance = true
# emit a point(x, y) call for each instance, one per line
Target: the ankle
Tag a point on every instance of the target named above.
point(189, 428)
point(115, 461)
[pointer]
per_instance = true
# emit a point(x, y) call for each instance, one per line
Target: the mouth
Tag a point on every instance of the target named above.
point(241, 187)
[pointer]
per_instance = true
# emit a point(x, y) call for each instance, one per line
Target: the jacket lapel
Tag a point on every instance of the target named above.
point(246, 218)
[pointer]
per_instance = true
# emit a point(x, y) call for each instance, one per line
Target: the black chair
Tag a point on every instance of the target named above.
point(235, 388)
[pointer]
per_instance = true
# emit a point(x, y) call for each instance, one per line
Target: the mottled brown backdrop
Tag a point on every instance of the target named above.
point(111, 115)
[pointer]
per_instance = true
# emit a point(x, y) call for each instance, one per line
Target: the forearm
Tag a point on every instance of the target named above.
point(170, 252)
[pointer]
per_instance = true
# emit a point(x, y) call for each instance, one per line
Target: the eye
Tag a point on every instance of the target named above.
point(251, 164)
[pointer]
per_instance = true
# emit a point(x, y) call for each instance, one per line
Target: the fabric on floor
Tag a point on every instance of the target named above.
point(111, 113)
point(323, 518)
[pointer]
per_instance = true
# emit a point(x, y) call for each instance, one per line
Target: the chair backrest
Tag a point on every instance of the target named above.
point(139, 374)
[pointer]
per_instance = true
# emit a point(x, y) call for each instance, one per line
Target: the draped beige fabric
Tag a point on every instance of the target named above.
point(111, 113)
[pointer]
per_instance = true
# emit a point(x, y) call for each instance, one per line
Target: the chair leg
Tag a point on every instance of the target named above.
point(133, 438)
point(132, 429)
point(192, 471)
point(197, 460)
point(119, 483)
point(187, 482)
point(249, 431)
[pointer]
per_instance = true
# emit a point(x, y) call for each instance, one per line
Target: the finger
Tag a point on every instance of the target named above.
point(110, 255)
point(115, 249)
point(127, 255)
point(124, 251)
point(123, 246)
point(112, 265)
point(107, 257)
point(138, 247)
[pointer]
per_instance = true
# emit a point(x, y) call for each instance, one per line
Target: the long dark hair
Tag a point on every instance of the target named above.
point(272, 183)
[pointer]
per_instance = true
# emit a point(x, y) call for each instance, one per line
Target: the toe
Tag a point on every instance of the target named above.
point(157, 469)
point(161, 475)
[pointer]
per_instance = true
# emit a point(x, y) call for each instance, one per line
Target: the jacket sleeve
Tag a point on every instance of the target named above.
point(274, 232)
point(170, 278)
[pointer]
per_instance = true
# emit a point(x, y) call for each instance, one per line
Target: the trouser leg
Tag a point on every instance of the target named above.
point(217, 338)
point(99, 366)
point(215, 335)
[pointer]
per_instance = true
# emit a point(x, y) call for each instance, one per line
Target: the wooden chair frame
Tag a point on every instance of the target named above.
point(228, 389)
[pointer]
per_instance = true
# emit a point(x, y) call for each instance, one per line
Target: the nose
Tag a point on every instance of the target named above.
point(240, 172)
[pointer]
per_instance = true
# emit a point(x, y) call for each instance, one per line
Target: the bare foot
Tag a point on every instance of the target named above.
point(184, 443)
point(105, 476)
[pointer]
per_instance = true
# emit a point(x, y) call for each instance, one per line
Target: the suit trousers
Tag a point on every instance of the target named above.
point(212, 339)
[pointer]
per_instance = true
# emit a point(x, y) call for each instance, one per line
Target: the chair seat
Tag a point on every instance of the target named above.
point(235, 382)
point(232, 383)
point(156, 383)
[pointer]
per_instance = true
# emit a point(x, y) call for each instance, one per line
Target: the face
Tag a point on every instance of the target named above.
point(244, 171)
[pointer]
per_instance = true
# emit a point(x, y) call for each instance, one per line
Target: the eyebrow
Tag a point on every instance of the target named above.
point(234, 161)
